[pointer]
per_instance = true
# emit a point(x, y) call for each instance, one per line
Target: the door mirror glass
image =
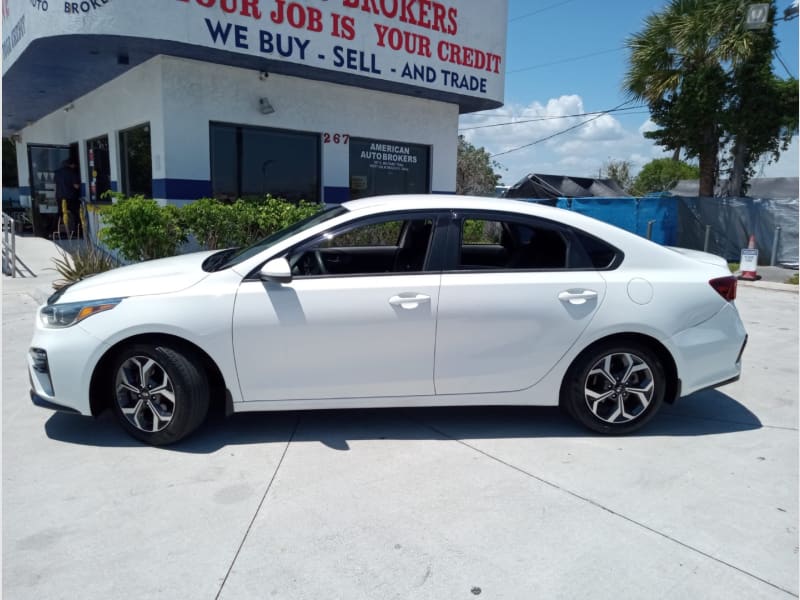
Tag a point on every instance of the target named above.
point(277, 269)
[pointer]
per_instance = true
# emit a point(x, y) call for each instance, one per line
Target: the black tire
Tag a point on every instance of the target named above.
point(620, 406)
point(177, 402)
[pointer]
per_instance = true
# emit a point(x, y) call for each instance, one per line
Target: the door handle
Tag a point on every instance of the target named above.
point(409, 301)
point(577, 296)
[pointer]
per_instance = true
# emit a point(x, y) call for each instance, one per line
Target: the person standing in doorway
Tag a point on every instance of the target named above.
point(68, 192)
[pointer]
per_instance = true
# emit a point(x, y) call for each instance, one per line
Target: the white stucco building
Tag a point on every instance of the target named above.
point(325, 100)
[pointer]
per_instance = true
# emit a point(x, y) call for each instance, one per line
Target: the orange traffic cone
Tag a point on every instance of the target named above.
point(749, 261)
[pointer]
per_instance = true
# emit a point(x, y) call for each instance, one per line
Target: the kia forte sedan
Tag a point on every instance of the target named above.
point(390, 302)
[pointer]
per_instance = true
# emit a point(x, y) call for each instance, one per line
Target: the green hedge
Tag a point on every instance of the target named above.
point(140, 229)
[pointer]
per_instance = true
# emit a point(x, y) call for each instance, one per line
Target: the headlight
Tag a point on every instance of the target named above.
point(56, 316)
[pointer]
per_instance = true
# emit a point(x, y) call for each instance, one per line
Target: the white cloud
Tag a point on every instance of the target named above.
point(786, 166)
point(580, 152)
point(648, 125)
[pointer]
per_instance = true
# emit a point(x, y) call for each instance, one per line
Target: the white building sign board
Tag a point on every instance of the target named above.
point(450, 46)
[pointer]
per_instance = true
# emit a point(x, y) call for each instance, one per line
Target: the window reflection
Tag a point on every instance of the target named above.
point(252, 161)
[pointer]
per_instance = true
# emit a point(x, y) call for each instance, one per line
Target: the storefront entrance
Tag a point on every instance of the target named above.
point(44, 161)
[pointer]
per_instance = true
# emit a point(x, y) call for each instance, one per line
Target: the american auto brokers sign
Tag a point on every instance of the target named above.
point(454, 46)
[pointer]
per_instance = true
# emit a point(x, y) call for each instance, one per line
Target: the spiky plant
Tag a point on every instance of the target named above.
point(84, 261)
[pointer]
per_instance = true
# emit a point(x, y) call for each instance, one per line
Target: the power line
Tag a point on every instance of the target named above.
point(565, 60)
point(563, 131)
point(550, 118)
point(778, 56)
point(541, 10)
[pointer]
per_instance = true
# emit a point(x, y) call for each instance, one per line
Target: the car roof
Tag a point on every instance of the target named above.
point(443, 201)
point(378, 204)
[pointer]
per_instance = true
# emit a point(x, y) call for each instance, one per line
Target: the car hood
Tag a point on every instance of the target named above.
point(160, 276)
point(706, 257)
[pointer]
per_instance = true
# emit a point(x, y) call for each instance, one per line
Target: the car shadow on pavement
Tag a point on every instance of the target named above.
point(709, 412)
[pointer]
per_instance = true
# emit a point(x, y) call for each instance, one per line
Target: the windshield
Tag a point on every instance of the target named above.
point(233, 257)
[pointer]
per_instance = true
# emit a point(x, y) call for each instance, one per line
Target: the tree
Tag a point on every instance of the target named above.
point(762, 115)
point(619, 171)
point(475, 174)
point(661, 175)
point(687, 65)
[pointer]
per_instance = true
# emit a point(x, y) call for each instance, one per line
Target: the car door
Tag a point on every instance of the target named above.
point(510, 304)
point(356, 321)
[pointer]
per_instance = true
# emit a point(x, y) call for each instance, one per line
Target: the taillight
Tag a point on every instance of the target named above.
point(725, 287)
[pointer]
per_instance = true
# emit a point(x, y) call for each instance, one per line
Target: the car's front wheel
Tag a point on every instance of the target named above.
point(615, 387)
point(160, 393)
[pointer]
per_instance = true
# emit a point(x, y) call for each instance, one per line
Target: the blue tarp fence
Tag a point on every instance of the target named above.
point(683, 221)
point(631, 214)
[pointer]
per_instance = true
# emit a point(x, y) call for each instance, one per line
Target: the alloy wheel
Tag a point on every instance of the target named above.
point(619, 388)
point(145, 394)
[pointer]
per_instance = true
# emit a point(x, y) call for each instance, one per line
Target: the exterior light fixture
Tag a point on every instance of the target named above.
point(757, 16)
point(265, 107)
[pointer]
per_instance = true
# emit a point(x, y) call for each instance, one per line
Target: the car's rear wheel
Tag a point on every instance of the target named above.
point(614, 388)
point(160, 394)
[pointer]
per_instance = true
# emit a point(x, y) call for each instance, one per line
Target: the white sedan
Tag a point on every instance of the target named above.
point(396, 301)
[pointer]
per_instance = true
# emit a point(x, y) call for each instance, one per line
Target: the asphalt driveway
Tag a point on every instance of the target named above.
point(413, 503)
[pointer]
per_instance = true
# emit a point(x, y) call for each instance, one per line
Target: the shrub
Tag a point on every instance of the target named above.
point(81, 263)
point(212, 223)
point(274, 214)
point(218, 224)
point(140, 229)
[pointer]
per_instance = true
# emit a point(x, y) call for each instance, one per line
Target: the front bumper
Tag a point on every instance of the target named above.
point(42, 403)
point(62, 381)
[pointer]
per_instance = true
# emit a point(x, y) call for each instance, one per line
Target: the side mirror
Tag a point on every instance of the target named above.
point(277, 269)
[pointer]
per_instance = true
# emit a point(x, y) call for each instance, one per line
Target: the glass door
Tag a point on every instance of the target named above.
point(44, 161)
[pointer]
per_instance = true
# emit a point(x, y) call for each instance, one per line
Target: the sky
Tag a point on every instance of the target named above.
point(567, 57)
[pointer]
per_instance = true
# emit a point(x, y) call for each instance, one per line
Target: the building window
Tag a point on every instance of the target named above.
point(254, 162)
point(136, 161)
point(99, 169)
point(383, 167)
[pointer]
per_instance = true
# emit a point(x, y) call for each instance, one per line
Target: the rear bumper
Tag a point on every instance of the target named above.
point(709, 355)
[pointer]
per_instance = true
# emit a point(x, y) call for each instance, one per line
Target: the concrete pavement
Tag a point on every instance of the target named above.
point(424, 503)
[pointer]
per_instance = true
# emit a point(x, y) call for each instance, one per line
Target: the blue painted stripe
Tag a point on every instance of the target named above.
point(114, 186)
point(24, 190)
point(335, 195)
point(83, 190)
point(181, 189)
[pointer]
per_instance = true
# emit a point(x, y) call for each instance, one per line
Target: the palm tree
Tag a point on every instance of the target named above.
point(679, 65)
